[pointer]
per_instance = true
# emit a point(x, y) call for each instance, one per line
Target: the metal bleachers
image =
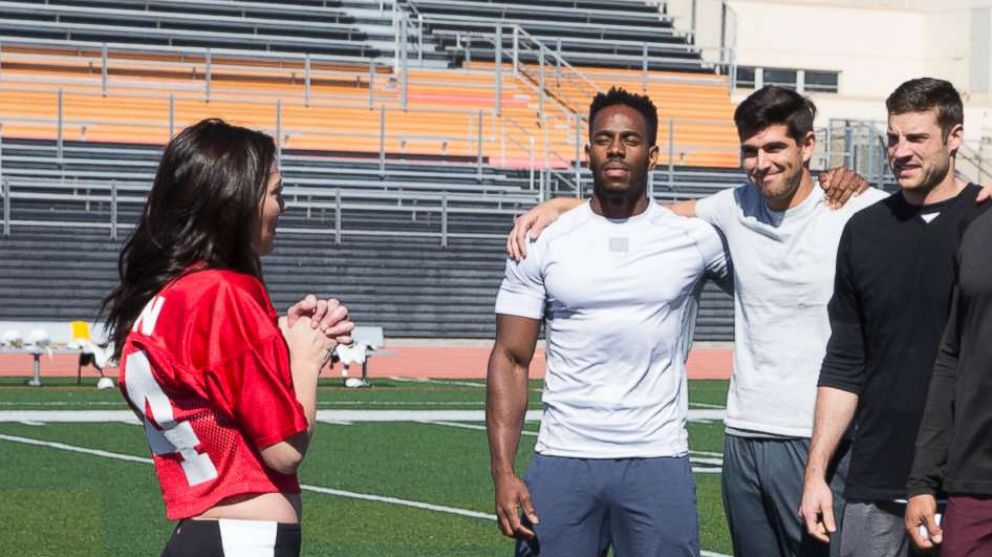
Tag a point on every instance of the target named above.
point(597, 33)
point(282, 26)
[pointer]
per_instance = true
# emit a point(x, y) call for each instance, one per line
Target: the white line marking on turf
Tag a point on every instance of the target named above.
point(440, 382)
point(69, 416)
point(707, 405)
point(72, 448)
point(696, 457)
point(316, 489)
point(396, 501)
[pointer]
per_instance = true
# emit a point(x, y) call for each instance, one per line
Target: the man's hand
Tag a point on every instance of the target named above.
point(512, 495)
point(533, 221)
point(817, 509)
point(921, 512)
point(839, 184)
point(536, 220)
point(985, 194)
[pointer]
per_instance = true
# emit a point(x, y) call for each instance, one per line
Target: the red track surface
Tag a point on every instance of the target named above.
point(463, 362)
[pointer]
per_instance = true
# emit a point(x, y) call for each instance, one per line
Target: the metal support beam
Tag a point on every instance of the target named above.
point(113, 209)
point(371, 85)
point(279, 132)
point(337, 217)
point(172, 115)
point(644, 67)
point(5, 184)
point(103, 68)
point(404, 70)
point(306, 80)
point(578, 152)
point(540, 82)
point(61, 124)
point(516, 50)
point(499, 69)
point(382, 140)
point(206, 74)
point(478, 162)
point(444, 220)
point(671, 155)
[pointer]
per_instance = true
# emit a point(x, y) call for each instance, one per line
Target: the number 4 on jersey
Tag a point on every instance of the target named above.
point(165, 434)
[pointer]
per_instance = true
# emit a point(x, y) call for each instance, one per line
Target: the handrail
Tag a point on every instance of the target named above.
point(336, 199)
point(275, 55)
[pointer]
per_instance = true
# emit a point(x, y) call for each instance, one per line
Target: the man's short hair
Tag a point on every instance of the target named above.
point(925, 94)
point(640, 103)
point(772, 105)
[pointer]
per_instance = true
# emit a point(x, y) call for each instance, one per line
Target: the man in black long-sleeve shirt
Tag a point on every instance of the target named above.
point(954, 446)
point(891, 297)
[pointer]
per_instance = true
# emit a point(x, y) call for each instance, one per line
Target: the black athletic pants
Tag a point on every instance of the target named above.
point(230, 538)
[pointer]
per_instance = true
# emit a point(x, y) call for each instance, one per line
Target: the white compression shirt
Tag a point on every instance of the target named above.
point(783, 279)
point(616, 296)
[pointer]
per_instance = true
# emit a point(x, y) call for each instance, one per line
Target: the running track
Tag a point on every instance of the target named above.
point(405, 358)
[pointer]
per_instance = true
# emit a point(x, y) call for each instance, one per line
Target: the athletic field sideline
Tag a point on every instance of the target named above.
point(401, 469)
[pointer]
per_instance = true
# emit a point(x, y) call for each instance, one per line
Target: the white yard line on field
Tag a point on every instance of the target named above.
point(481, 385)
point(695, 457)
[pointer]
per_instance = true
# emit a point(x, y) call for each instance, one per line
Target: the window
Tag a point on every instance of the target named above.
point(745, 77)
point(821, 81)
point(782, 78)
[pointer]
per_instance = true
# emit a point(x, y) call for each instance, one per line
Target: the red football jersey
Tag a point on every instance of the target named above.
point(207, 370)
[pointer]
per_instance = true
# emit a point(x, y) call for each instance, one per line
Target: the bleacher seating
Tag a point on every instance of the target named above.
point(249, 25)
point(398, 204)
point(607, 33)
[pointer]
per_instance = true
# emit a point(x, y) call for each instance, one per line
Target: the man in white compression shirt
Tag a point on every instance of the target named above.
point(613, 282)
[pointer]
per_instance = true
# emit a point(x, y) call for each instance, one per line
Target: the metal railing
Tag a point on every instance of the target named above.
point(191, 72)
point(114, 207)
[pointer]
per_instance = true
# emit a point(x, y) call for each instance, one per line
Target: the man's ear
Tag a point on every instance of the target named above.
point(954, 139)
point(652, 157)
point(808, 146)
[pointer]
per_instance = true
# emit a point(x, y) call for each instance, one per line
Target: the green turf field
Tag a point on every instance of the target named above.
point(418, 485)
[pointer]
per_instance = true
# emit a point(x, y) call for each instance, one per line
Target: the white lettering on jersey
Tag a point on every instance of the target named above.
point(165, 435)
point(149, 316)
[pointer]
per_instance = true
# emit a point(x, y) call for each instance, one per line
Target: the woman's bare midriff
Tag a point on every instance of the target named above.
point(278, 507)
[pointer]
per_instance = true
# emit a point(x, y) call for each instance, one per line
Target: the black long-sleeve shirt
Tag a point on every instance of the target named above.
point(892, 293)
point(954, 445)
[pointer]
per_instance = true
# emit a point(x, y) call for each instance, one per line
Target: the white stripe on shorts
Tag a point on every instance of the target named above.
point(248, 538)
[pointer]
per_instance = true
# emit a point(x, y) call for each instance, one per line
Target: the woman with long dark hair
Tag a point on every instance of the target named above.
point(226, 391)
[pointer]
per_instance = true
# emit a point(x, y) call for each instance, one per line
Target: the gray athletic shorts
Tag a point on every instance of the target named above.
point(875, 529)
point(762, 489)
point(643, 507)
